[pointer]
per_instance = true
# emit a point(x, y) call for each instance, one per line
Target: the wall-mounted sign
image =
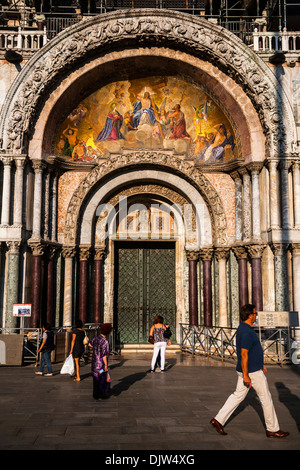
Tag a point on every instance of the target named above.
point(22, 310)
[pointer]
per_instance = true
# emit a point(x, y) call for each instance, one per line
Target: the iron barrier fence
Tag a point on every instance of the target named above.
point(32, 338)
point(280, 345)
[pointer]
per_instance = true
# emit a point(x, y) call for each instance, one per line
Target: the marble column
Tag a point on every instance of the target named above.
point(256, 252)
point(50, 284)
point(281, 276)
point(54, 206)
point(12, 283)
point(274, 202)
point(255, 169)
point(247, 213)
point(296, 190)
point(192, 257)
point(38, 166)
point(222, 255)
point(98, 284)
point(6, 190)
point(68, 254)
point(284, 192)
point(238, 205)
point(47, 206)
point(18, 203)
point(295, 249)
point(36, 284)
point(242, 257)
point(84, 253)
point(206, 255)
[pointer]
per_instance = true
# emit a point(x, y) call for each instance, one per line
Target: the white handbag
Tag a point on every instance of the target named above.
point(68, 366)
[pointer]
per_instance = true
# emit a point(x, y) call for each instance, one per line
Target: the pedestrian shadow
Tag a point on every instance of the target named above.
point(126, 382)
point(290, 400)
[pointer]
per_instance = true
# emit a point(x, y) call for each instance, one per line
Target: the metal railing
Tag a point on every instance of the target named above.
point(279, 345)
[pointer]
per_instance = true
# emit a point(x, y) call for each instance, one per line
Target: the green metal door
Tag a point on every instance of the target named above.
point(144, 288)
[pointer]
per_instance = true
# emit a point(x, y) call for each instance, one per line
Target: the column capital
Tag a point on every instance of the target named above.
point(235, 175)
point(240, 251)
point(37, 248)
point(14, 246)
point(192, 255)
point(6, 160)
point(255, 167)
point(243, 171)
point(295, 249)
point(256, 251)
point(39, 165)
point(20, 161)
point(68, 251)
point(84, 253)
point(279, 249)
point(99, 253)
point(222, 252)
point(206, 253)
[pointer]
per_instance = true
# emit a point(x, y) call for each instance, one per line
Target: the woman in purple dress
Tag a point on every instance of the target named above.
point(101, 379)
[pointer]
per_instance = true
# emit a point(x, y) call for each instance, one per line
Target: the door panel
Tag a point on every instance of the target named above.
point(144, 288)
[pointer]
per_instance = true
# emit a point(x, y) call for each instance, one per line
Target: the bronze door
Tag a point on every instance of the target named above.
point(144, 288)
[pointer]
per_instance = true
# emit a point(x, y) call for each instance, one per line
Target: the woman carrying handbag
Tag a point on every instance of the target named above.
point(160, 342)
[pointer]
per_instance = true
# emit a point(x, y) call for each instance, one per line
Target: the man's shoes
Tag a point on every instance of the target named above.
point(48, 375)
point(218, 427)
point(277, 433)
point(39, 373)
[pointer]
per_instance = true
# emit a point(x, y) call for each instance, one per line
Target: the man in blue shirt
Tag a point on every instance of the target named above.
point(251, 372)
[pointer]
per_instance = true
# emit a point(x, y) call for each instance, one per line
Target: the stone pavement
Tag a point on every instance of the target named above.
point(161, 412)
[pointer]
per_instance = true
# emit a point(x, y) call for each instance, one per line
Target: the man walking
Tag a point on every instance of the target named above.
point(250, 370)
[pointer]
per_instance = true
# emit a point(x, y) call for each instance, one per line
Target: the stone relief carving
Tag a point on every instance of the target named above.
point(198, 36)
point(194, 174)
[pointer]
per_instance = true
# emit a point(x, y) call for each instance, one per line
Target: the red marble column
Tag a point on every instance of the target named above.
point(50, 286)
point(98, 285)
point(193, 257)
point(36, 286)
point(242, 256)
point(206, 256)
point(256, 252)
point(83, 283)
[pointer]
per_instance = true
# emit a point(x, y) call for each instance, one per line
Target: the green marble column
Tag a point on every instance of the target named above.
point(12, 283)
point(281, 276)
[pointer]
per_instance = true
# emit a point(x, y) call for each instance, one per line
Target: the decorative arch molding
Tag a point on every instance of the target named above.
point(148, 28)
point(83, 194)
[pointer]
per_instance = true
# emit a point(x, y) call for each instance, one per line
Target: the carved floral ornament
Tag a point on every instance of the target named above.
point(185, 169)
point(199, 37)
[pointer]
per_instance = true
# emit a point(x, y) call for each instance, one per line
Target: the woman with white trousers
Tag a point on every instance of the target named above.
point(160, 342)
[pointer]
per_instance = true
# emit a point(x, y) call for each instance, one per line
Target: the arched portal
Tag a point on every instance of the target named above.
point(154, 107)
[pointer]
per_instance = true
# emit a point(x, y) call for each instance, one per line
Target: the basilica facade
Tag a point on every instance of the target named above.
point(149, 165)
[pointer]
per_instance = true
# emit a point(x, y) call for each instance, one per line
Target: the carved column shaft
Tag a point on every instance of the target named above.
point(12, 283)
point(50, 284)
point(296, 186)
point(68, 253)
point(37, 200)
point(222, 255)
point(256, 252)
point(296, 281)
point(54, 207)
point(281, 277)
point(192, 257)
point(98, 285)
point(238, 206)
point(273, 195)
point(83, 283)
point(284, 192)
point(36, 286)
point(206, 256)
point(256, 230)
point(241, 255)
point(18, 204)
point(246, 205)
point(5, 214)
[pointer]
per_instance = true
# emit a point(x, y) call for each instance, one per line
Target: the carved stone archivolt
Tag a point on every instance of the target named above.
point(147, 29)
point(186, 170)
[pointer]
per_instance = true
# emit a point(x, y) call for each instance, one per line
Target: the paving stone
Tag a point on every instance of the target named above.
point(146, 412)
